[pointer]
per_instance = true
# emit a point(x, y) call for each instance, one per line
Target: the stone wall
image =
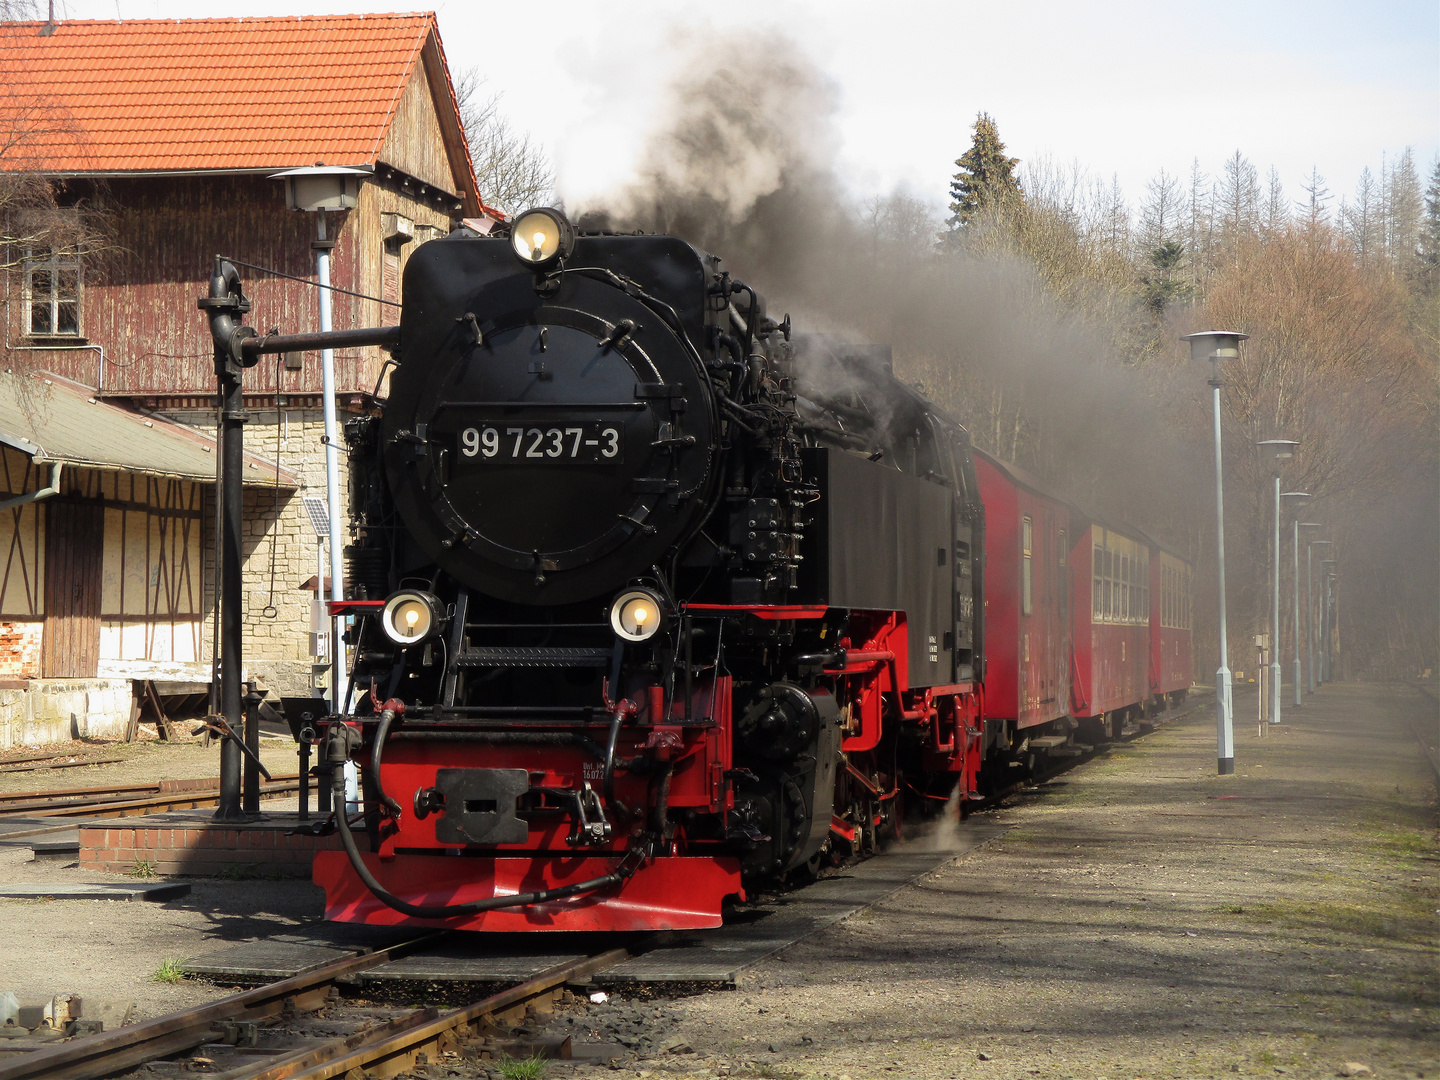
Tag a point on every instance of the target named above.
point(54, 710)
point(276, 530)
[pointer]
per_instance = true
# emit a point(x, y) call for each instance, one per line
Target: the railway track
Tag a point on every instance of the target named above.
point(300, 1028)
point(129, 800)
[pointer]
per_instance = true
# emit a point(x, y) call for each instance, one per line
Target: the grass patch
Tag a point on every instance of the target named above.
point(531, 1068)
point(235, 872)
point(1405, 845)
point(1397, 920)
point(171, 970)
point(143, 868)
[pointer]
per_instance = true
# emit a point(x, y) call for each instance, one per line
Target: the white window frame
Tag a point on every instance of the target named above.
point(52, 262)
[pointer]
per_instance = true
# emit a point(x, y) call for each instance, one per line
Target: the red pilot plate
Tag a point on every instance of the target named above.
point(664, 894)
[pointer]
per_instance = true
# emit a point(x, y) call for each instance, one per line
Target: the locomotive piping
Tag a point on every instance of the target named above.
point(447, 911)
point(392, 709)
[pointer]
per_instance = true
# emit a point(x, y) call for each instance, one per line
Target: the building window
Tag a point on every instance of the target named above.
point(1026, 539)
point(52, 293)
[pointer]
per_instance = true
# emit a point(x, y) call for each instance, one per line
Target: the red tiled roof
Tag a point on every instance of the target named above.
point(152, 95)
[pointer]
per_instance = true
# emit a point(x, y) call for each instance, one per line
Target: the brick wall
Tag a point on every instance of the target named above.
point(20, 649)
point(276, 529)
point(208, 851)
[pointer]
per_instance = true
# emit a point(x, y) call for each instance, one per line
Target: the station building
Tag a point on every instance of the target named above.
point(164, 136)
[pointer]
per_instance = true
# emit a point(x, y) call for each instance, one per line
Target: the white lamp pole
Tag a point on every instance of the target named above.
point(319, 189)
point(1312, 679)
point(1296, 546)
point(1217, 346)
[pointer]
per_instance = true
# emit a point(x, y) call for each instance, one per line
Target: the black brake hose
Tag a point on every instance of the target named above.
point(610, 742)
point(446, 911)
point(391, 709)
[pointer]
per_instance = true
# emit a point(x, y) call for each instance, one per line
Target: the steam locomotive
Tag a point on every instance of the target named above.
point(654, 601)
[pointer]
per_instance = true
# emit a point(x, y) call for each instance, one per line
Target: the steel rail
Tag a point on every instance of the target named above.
point(93, 1056)
point(409, 1034)
point(122, 804)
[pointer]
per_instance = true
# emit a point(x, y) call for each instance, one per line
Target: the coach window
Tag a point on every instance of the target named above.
point(1026, 536)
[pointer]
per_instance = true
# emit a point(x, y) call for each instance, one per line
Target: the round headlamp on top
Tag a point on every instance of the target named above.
point(637, 614)
point(542, 237)
point(410, 617)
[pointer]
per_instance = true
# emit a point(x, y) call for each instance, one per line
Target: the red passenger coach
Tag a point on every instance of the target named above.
point(1171, 665)
point(1027, 603)
point(1111, 631)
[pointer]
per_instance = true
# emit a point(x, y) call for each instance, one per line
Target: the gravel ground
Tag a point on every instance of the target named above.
point(1144, 918)
point(145, 760)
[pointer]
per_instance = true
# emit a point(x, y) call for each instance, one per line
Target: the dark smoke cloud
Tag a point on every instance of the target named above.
point(746, 167)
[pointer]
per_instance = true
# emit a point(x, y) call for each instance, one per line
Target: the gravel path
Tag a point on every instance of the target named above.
point(1144, 918)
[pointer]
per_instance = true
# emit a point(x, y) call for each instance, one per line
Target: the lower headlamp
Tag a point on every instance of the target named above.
point(636, 614)
point(411, 616)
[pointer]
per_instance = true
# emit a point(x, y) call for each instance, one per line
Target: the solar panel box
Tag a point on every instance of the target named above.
point(880, 539)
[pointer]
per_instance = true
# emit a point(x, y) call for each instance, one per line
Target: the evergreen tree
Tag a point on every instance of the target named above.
point(986, 181)
point(1428, 254)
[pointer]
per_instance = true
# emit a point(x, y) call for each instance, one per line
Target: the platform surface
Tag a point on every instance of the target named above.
point(103, 890)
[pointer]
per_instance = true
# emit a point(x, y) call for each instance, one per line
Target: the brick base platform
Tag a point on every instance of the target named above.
point(189, 842)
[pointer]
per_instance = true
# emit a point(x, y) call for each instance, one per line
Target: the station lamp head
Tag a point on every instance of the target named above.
point(1278, 450)
point(542, 237)
point(1215, 345)
point(322, 187)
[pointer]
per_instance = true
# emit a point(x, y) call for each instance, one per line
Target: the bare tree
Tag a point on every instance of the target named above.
point(1362, 218)
point(513, 171)
point(1238, 199)
point(1403, 209)
point(19, 10)
point(47, 226)
point(1314, 211)
point(1277, 208)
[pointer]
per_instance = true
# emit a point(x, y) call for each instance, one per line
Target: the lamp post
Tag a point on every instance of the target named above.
point(1217, 346)
point(1296, 549)
point(1328, 615)
point(321, 188)
point(1311, 680)
point(1280, 451)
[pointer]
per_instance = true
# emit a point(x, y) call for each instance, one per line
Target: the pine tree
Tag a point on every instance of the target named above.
point(985, 183)
point(1428, 254)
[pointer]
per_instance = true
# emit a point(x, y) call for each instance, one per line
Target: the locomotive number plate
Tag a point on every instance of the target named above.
point(593, 442)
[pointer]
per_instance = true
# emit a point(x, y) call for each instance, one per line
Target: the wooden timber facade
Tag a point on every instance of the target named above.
point(117, 568)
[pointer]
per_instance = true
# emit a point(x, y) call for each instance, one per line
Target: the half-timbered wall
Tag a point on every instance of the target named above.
point(22, 569)
point(152, 600)
point(122, 581)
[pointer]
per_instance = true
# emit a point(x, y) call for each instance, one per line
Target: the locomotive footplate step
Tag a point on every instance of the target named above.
point(296, 951)
point(753, 934)
point(103, 890)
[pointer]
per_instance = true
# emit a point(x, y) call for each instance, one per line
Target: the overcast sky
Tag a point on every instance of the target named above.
point(1124, 87)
